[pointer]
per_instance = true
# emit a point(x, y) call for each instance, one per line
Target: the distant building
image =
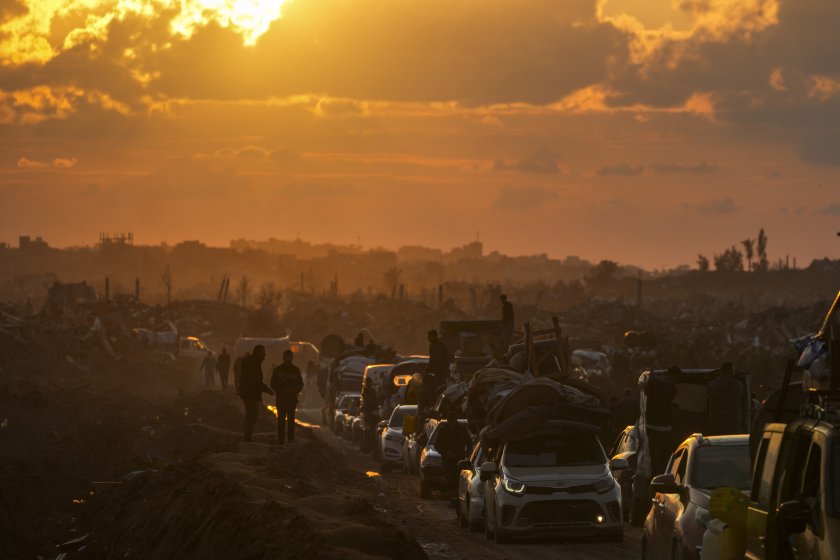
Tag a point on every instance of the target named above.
point(26, 243)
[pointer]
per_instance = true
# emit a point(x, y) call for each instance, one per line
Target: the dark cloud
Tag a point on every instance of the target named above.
point(623, 169)
point(723, 206)
point(524, 198)
point(700, 168)
point(832, 209)
point(10, 9)
point(543, 160)
point(821, 148)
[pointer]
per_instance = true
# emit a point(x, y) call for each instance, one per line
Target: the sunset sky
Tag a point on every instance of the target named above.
point(637, 130)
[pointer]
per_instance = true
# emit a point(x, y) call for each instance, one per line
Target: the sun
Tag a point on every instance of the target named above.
point(250, 18)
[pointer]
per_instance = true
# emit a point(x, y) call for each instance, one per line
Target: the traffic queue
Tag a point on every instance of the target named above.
point(525, 448)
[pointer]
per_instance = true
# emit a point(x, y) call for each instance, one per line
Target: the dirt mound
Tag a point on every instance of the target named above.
point(192, 511)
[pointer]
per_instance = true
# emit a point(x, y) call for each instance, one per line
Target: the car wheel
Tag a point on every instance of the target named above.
point(425, 491)
point(638, 512)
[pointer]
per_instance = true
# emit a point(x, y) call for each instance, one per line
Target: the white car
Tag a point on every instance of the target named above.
point(471, 491)
point(556, 484)
point(391, 438)
point(346, 404)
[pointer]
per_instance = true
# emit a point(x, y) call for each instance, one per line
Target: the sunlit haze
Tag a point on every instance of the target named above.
point(640, 131)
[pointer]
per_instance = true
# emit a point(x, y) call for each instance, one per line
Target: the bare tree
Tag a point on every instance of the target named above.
point(763, 264)
point(702, 263)
point(749, 246)
point(243, 290)
point(166, 278)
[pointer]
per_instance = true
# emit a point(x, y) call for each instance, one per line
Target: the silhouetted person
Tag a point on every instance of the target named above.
point(287, 382)
point(223, 367)
point(251, 388)
point(660, 391)
point(726, 398)
point(370, 414)
point(453, 444)
point(625, 412)
point(508, 321)
point(208, 367)
point(437, 370)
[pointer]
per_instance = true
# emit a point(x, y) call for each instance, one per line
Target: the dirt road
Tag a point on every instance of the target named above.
point(432, 522)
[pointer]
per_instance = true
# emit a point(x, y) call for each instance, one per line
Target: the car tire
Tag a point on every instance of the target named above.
point(425, 491)
point(638, 512)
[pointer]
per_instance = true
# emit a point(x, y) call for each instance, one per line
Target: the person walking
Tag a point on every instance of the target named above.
point(208, 367)
point(251, 388)
point(287, 382)
point(223, 367)
point(508, 322)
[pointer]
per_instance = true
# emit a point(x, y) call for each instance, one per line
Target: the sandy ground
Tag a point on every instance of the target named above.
point(432, 522)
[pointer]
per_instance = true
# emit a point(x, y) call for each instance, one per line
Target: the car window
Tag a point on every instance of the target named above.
point(792, 481)
point(717, 466)
point(812, 481)
point(572, 449)
point(618, 445)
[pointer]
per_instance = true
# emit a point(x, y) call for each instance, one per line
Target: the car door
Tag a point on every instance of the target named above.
point(663, 513)
point(807, 544)
point(761, 494)
point(466, 477)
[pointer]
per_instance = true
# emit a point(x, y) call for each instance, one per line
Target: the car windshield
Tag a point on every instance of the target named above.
point(351, 383)
point(569, 449)
point(717, 466)
point(397, 416)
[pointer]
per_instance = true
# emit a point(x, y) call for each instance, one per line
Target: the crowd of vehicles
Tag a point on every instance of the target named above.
point(538, 467)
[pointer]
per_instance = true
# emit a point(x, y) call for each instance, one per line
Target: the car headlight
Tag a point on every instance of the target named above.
point(513, 486)
point(604, 484)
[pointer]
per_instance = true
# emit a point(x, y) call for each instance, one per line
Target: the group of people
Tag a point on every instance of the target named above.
point(212, 365)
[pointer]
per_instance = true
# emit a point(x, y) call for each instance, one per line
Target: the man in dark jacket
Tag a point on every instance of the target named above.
point(251, 388)
point(287, 382)
point(453, 444)
point(223, 367)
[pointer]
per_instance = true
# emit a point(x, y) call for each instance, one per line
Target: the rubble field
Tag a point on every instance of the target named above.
point(120, 461)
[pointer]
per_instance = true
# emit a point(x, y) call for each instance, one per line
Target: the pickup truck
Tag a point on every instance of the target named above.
point(794, 509)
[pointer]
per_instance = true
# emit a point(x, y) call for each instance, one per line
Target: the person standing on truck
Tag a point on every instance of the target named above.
point(223, 367)
point(453, 444)
point(208, 367)
point(660, 391)
point(726, 397)
point(287, 382)
point(438, 369)
point(251, 388)
point(507, 322)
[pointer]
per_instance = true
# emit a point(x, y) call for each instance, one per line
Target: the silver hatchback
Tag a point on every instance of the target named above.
point(558, 484)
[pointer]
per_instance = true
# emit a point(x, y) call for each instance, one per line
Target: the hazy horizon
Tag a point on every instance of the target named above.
point(626, 130)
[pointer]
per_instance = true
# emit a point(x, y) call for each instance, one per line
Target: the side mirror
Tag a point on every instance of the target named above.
point(487, 471)
point(619, 464)
point(664, 484)
point(793, 517)
point(382, 424)
point(464, 465)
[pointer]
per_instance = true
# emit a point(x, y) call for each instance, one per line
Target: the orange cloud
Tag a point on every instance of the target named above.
point(57, 163)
